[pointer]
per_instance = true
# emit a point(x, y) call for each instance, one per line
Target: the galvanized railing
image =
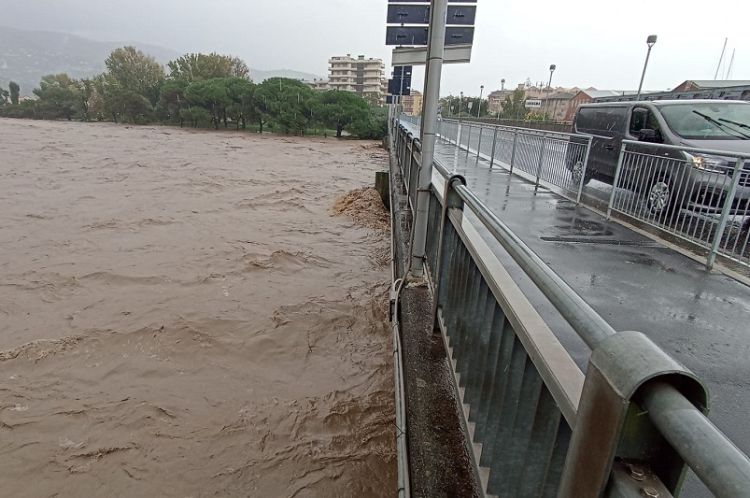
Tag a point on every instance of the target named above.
point(538, 426)
point(409, 153)
point(699, 195)
point(551, 158)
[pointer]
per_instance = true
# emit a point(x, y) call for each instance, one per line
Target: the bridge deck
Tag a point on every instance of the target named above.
point(699, 317)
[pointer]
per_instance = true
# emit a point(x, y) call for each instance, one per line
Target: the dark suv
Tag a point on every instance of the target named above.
point(716, 125)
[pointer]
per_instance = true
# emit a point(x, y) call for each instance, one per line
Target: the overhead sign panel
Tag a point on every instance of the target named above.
point(462, 15)
point(409, 14)
point(465, 15)
point(399, 35)
point(417, 35)
point(459, 36)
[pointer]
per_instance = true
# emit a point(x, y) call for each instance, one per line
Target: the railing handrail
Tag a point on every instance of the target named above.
point(713, 152)
point(531, 131)
point(710, 453)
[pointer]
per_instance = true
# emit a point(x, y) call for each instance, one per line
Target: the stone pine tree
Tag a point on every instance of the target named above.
point(15, 92)
point(340, 110)
point(514, 106)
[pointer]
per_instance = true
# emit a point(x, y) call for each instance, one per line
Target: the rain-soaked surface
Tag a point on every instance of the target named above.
point(635, 283)
point(188, 314)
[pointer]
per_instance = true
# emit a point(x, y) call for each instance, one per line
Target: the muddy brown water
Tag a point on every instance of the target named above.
point(191, 314)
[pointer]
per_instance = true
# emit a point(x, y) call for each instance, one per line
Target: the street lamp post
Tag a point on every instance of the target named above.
point(479, 107)
point(461, 106)
point(552, 68)
point(650, 41)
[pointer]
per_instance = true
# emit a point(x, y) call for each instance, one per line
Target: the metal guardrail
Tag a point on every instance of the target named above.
point(552, 158)
point(699, 195)
point(659, 185)
point(539, 427)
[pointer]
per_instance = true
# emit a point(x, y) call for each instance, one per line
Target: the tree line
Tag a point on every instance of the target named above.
point(513, 107)
point(196, 90)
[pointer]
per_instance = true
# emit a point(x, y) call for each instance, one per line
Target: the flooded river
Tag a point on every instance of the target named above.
point(191, 314)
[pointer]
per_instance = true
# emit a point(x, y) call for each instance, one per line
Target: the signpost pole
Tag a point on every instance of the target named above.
point(433, 73)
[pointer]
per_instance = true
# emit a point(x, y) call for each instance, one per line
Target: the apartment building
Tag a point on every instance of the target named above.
point(412, 103)
point(361, 75)
point(319, 85)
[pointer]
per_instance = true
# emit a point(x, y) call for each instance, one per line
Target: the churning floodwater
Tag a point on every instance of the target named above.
point(190, 314)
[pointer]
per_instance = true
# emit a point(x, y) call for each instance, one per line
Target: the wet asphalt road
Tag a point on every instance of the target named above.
point(699, 317)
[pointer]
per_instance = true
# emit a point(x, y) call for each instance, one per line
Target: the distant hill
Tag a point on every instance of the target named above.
point(26, 56)
point(259, 75)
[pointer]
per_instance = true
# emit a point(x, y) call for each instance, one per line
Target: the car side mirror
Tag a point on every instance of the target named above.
point(648, 135)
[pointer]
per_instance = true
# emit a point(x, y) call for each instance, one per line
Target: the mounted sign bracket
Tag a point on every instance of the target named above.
point(417, 56)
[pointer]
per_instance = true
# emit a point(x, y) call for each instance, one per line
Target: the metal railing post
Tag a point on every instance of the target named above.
point(609, 425)
point(468, 142)
point(479, 145)
point(513, 153)
point(585, 169)
point(451, 200)
point(738, 167)
point(618, 171)
point(494, 145)
point(541, 162)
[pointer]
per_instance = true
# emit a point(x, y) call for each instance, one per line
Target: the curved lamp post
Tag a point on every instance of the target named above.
point(650, 41)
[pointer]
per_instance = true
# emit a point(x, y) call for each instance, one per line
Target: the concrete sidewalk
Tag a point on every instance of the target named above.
point(699, 317)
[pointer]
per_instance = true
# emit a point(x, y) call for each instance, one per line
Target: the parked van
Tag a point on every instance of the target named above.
point(706, 124)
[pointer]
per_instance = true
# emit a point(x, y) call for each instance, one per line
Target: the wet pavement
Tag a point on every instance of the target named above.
point(697, 316)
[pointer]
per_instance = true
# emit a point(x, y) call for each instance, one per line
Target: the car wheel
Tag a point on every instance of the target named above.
point(576, 172)
point(661, 201)
point(745, 234)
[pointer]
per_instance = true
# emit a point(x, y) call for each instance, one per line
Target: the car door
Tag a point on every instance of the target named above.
point(642, 117)
point(586, 124)
point(611, 123)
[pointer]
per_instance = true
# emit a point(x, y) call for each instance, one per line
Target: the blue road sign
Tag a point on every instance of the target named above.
point(409, 14)
point(463, 15)
point(400, 84)
point(417, 35)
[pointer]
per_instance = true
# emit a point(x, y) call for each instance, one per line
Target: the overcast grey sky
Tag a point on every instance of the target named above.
point(593, 42)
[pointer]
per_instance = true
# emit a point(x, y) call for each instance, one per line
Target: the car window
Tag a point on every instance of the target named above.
point(720, 120)
point(607, 121)
point(642, 118)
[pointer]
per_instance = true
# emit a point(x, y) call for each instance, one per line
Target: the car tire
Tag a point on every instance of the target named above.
point(576, 170)
point(744, 237)
point(661, 203)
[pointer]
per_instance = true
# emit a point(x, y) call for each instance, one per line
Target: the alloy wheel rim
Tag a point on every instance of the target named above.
point(659, 196)
point(577, 172)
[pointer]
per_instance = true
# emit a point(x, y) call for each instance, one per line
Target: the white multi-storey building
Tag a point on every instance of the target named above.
point(360, 75)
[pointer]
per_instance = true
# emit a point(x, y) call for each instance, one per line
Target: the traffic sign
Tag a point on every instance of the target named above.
point(461, 15)
point(400, 84)
point(417, 35)
point(533, 104)
point(409, 14)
